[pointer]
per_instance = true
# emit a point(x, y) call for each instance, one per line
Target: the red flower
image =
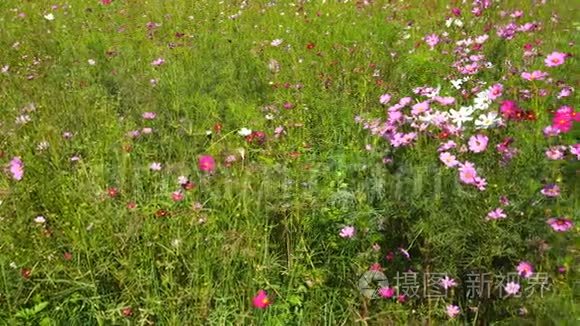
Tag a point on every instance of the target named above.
point(67, 256)
point(161, 213)
point(310, 46)
point(26, 273)
point(113, 192)
point(188, 185)
point(127, 312)
point(217, 128)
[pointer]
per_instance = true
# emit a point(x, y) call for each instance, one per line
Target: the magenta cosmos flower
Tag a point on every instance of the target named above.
point(525, 269)
point(206, 163)
point(261, 300)
point(560, 224)
point(387, 292)
point(555, 59)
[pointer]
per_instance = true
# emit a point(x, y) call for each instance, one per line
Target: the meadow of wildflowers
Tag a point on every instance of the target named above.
point(290, 162)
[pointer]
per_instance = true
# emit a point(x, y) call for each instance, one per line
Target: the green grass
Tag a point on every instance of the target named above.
point(271, 220)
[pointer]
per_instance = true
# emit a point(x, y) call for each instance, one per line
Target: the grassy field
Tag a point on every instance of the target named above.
point(167, 160)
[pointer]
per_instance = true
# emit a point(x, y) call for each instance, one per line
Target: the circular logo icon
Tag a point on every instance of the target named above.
point(370, 282)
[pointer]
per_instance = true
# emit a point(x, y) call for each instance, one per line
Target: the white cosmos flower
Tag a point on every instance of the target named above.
point(49, 16)
point(276, 42)
point(245, 132)
point(487, 120)
point(448, 22)
point(482, 101)
point(457, 83)
point(462, 115)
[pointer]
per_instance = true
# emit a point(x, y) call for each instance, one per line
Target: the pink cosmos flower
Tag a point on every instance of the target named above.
point(17, 168)
point(347, 232)
point(575, 150)
point(405, 253)
point(555, 152)
point(512, 288)
point(149, 115)
point(375, 267)
point(448, 159)
point(387, 292)
point(158, 62)
point(495, 91)
point(480, 183)
point(134, 134)
point(467, 173)
point(444, 100)
point(106, 2)
point(405, 101)
point(420, 108)
point(452, 311)
point(551, 190)
point(385, 98)
point(525, 269)
point(206, 163)
point(555, 59)
point(182, 180)
point(496, 214)
point(177, 195)
point(504, 200)
point(447, 146)
point(155, 166)
point(565, 92)
point(432, 40)
point(560, 224)
point(534, 75)
point(478, 143)
point(447, 282)
point(261, 300)
point(550, 131)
